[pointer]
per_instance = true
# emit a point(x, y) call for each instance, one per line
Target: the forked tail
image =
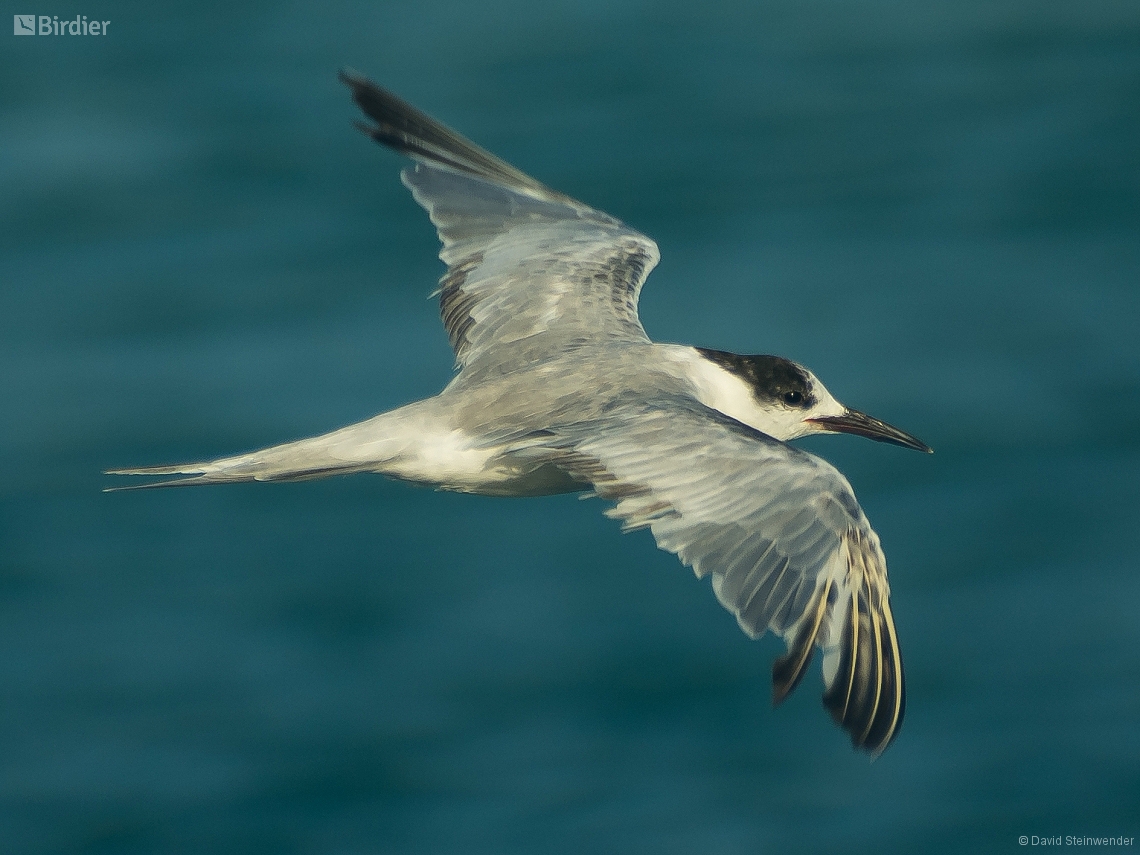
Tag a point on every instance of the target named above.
point(376, 445)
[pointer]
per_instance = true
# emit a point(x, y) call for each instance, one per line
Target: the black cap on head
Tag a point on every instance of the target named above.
point(772, 378)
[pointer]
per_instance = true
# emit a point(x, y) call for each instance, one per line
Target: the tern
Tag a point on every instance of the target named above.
point(559, 389)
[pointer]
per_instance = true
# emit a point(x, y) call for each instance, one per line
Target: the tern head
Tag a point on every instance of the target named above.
point(786, 401)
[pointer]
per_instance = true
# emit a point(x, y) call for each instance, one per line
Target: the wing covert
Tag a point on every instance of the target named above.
point(778, 530)
point(525, 263)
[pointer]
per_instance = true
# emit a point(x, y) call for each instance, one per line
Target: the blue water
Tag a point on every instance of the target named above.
point(934, 206)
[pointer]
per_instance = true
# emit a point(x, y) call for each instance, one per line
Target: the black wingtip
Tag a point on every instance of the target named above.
point(868, 695)
point(788, 670)
point(410, 131)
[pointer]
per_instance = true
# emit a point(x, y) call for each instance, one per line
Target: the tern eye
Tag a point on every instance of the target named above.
point(793, 398)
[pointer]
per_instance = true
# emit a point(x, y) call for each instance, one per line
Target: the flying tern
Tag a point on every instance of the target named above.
point(559, 389)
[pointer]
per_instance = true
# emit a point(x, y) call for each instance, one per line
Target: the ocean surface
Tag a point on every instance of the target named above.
point(934, 206)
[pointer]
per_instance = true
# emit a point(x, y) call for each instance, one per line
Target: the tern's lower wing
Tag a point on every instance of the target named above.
point(779, 531)
point(529, 269)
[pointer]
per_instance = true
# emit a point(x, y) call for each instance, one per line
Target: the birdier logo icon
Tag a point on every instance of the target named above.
point(51, 25)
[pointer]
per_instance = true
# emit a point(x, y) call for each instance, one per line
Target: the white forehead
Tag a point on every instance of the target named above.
point(825, 403)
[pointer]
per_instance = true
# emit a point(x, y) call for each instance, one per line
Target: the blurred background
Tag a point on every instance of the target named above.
point(933, 206)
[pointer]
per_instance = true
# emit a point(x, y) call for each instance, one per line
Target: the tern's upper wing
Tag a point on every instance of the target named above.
point(523, 260)
point(779, 531)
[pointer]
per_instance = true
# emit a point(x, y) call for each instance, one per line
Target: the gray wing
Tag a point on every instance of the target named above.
point(524, 261)
point(778, 530)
